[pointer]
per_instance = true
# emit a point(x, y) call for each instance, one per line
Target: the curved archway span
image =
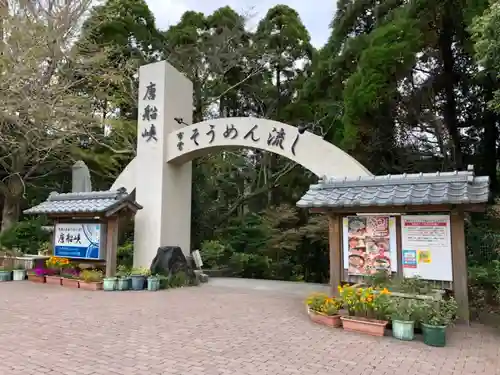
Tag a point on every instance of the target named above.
point(162, 175)
point(307, 149)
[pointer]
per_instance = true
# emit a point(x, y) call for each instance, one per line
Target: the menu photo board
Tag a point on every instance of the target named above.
point(426, 247)
point(369, 244)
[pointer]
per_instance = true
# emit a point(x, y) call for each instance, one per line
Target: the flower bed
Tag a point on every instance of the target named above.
point(38, 275)
point(91, 280)
point(324, 310)
point(370, 309)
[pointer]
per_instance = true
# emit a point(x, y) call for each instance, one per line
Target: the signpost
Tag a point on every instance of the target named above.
point(80, 240)
point(426, 245)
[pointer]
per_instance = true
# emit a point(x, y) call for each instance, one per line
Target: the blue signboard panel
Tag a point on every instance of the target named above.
point(78, 241)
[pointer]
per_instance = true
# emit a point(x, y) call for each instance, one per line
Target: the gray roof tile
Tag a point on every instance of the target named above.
point(398, 190)
point(86, 202)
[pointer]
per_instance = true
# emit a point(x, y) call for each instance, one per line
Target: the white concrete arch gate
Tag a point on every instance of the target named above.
point(161, 172)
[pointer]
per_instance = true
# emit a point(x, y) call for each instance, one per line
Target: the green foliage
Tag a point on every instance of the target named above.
point(275, 245)
point(323, 304)
point(214, 253)
point(380, 279)
point(250, 265)
point(140, 271)
point(391, 50)
point(27, 236)
point(244, 235)
point(484, 287)
point(125, 255)
point(405, 309)
point(412, 285)
point(485, 31)
point(91, 276)
point(177, 280)
point(439, 313)
point(123, 271)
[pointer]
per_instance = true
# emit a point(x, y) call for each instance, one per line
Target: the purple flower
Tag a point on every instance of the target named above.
point(40, 271)
point(71, 272)
point(50, 272)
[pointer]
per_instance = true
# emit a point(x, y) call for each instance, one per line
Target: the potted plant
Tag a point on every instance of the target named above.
point(153, 283)
point(91, 280)
point(70, 278)
point(5, 273)
point(138, 276)
point(37, 275)
point(403, 318)
point(324, 310)
point(56, 265)
point(123, 274)
point(368, 309)
point(53, 276)
point(109, 283)
point(19, 273)
point(436, 317)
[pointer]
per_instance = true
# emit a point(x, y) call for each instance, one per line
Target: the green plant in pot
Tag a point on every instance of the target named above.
point(91, 279)
point(19, 273)
point(123, 274)
point(403, 318)
point(5, 273)
point(436, 317)
point(154, 282)
point(109, 284)
point(138, 276)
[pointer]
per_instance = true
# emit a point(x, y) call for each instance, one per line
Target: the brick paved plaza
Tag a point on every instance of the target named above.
point(208, 330)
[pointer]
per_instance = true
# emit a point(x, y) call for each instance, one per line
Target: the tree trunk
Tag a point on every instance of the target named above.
point(12, 203)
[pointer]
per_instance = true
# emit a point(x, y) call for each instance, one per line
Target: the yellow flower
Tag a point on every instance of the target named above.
point(385, 291)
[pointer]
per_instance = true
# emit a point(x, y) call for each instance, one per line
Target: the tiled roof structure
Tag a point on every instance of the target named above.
point(398, 190)
point(88, 202)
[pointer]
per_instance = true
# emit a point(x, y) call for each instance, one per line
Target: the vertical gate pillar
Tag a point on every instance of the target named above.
point(163, 189)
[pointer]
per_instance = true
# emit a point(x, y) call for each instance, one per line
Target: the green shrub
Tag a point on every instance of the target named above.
point(214, 254)
point(484, 287)
point(28, 236)
point(125, 255)
point(250, 265)
point(177, 280)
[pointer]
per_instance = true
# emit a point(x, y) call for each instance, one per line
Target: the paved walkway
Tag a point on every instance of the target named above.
point(207, 330)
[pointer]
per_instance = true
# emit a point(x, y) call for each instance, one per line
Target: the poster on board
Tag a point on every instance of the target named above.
point(369, 244)
point(78, 241)
point(426, 245)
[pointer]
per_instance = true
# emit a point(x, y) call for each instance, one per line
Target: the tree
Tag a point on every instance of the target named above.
point(486, 35)
point(126, 30)
point(44, 118)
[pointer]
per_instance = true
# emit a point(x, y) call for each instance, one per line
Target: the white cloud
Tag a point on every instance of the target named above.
point(316, 19)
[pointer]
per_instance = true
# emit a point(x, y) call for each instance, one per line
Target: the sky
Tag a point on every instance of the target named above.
point(316, 18)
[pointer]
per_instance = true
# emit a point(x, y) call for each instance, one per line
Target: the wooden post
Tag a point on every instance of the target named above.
point(334, 239)
point(399, 247)
point(459, 264)
point(111, 246)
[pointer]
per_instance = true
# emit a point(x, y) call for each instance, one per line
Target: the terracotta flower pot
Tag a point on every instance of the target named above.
point(330, 321)
point(363, 325)
point(54, 280)
point(90, 285)
point(36, 278)
point(70, 283)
